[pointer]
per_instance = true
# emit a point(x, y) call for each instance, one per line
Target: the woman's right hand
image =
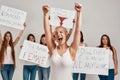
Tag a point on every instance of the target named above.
point(115, 71)
point(45, 9)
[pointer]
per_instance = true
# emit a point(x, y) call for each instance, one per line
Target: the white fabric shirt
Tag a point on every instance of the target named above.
point(61, 66)
point(8, 56)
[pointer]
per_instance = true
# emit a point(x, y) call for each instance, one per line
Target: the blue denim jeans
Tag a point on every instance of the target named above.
point(43, 73)
point(7, 71)
point(29, 72)
point(82, 76)
point(109, 77)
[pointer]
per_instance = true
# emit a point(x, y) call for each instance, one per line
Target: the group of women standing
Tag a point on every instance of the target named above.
point(61, 55)
point(8, 63)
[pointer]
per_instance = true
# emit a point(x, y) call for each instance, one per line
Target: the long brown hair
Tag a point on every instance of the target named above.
point(108, 42)
point(4, 47)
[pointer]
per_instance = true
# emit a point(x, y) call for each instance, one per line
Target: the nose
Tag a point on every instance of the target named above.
point(59, 33)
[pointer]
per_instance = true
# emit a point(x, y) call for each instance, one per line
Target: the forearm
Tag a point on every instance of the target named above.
point(78, 20)
point(70, 32)
point(18, 37)
point(116, 63)
point(115, 58)
point(77, 29)
point(68, 35)
point(46, 24)
point(20, 34)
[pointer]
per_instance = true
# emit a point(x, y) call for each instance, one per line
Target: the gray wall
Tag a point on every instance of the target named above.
point(99, 16)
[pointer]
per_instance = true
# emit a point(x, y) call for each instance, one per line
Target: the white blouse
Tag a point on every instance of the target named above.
point(8, 56)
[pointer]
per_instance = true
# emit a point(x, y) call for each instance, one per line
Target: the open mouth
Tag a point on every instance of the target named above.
point(60, 39)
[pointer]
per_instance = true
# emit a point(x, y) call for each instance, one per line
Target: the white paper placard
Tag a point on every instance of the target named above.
point(68, 15)
point(34, 52)
point(92, 60)
point(12, 17)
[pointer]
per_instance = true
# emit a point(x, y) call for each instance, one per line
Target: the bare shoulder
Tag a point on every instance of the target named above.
point(114, 49)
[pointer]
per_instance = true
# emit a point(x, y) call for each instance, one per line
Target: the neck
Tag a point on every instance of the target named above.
point(81, 43)
point(7, 43)
point(105, 46)
point(64, 46)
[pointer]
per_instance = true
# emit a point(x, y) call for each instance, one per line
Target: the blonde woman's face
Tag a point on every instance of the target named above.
point(60, 35)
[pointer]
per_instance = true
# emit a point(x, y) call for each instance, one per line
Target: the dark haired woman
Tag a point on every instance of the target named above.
point(113, 62)
point(29, 69)
point(44, 71)
point(7, 54)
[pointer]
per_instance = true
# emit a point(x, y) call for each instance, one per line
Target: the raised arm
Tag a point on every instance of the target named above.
point(76, 40)
point(115, 61)
point(71, 29)
point(0, 38)
point(19, 35)
point(47, 29)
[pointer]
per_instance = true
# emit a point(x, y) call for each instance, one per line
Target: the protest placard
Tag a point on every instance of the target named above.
point(61, 17)
point(12, 17)
point(92, 60)
point(34, 52)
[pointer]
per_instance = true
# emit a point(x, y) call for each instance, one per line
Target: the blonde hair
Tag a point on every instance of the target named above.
point(63, 29)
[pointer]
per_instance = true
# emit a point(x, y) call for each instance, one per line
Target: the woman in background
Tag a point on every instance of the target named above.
point(44, 71)
point(29, 69)
point(113, 62)
point(82, 75)
point(7, 54)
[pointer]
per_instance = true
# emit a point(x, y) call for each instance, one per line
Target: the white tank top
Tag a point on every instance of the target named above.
point(111, 63)
point(61, 66)
point(8, 56)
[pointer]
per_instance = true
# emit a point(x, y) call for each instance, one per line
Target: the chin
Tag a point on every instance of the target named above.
point(61, 43)
point(8, 40)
